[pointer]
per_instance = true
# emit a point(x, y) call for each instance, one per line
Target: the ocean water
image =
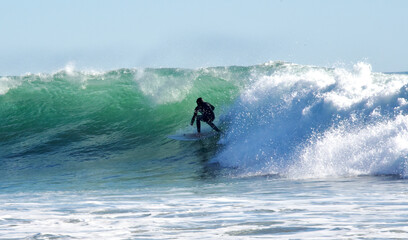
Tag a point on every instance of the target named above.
point(307, 152)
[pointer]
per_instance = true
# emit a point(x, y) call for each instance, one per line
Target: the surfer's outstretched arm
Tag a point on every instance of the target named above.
point(193, 119)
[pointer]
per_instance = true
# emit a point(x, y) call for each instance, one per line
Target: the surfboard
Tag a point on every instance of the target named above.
point(192, 136)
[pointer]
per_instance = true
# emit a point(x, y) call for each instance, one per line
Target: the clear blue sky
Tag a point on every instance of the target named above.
point(45, 35)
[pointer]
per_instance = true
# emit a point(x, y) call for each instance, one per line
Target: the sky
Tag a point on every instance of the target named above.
point(46, 35)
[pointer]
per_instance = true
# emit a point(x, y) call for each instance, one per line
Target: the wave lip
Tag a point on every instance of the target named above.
point(7, 83)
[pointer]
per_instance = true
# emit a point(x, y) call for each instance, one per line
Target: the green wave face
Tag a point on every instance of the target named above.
point(88, 114)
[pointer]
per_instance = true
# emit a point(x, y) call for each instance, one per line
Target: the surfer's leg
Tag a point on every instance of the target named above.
point(213, 126)
point(198, 123)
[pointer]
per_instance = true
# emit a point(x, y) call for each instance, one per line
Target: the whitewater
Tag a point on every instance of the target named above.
point(307, 152)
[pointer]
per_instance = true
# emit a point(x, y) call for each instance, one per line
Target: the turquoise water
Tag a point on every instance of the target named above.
point(307, 152)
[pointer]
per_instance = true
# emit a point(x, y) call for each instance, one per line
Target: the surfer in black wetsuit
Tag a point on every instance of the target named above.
point(207, 115)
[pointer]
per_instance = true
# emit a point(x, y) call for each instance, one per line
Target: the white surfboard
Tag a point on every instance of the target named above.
point(192, 136)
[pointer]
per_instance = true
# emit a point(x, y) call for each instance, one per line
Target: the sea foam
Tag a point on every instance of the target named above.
point(305, 121)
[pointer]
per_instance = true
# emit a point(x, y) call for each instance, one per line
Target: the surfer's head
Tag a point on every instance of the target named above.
point(199, 101)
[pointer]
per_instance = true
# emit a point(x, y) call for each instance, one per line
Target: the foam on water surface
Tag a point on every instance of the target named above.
point(254, 208)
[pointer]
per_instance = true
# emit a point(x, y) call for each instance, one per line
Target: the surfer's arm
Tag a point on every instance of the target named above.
point(193, 119)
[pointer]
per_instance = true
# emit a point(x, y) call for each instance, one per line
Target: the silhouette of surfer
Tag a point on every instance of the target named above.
point(207, 115)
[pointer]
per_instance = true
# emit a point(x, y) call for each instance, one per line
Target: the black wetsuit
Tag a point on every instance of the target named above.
point(207, 115)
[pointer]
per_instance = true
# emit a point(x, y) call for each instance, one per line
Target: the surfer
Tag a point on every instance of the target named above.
point(207, 115)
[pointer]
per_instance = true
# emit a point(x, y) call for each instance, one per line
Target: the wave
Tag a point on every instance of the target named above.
point(292, 120)
point(74, 114)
